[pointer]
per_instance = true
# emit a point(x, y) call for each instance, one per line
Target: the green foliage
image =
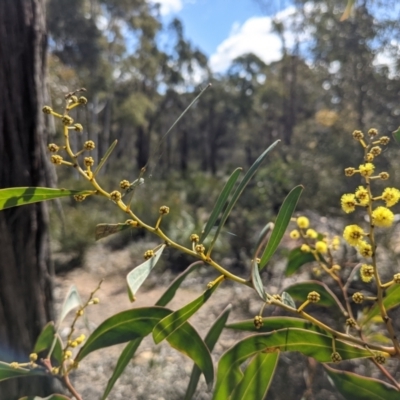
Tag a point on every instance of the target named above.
point(360, 388)
point(282, 221)
point(9, 371)
point(299, 292)
point(140, 91)
point(27, 195)
point(174, 321)
point(137, 276)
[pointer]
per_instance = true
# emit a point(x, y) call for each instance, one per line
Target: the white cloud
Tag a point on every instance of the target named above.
point(169, 6)
point(254, 36)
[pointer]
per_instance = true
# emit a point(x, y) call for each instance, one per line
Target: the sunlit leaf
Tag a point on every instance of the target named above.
point(222, 199)
point(297, 258)
point(239, 190)
point(287, 299)
point(210, 341)
point(169, 294)
point(20, 196)
point(299, 291)
point(138, 323)
point(123, 361)
point(275, 323)
point(72, 300)
point(282, 221)
point(261, 238)
point(257, 282)
point(105, 157)
point(257, 377)
point(391, 300)
point(123, 327)
point(104, 230)
point(311, 344)
point(173, 321)
point(137, 276)
point(357, 387)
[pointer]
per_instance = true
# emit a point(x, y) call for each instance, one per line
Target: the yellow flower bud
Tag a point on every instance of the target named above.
point(89, 145)
point(67, 120)
point(47, 109)
point(82, 100)
point(115, 195)
point(53, 147)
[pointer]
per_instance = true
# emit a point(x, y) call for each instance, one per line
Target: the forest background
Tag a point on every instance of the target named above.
point(333, 77)
point(140, 74)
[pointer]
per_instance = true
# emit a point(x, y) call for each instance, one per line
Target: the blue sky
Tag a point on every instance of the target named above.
point(226, 29)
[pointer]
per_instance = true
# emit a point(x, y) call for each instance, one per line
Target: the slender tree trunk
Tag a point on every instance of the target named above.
point(25, 271)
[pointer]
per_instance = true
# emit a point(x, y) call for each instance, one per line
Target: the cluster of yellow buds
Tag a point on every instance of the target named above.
point(76, 342)
point(315, 242)
point(68, 122)
point(380, 216)
point(336, 357)
point(148, 254)
point(258, 321)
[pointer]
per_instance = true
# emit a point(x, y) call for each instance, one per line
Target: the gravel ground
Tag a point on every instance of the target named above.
point(160, 372)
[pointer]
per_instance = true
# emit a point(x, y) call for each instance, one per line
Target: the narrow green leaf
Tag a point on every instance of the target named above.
point(217, 327)
point(257, 282)
point(275, 323)
point(45, 339)
point(297, 258)
point(222, 199)
point(169, 294)
point(20, 196)
point(311, 344)
point(137, 276)
point(137, 182)
point(282, 221)
point(391, 300)
point(261, 238)
point(8, 372)
point(48, 339)
point(287, 299)
point(105, 157)
point(236, 194)
point(210, 340)
point(123, 361)
point(138, 323)
point(72, 300)
point(396, 135)
point(123, 327)
point(299, 291)
point(184, 112)
point(357, 387)
point(173, 321)
point(104, 230)
point(188, 342)
point(257, 377)
point(54, 396)
point(347, 11)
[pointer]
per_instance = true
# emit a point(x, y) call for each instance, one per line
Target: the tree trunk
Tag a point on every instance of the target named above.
point(25, 270)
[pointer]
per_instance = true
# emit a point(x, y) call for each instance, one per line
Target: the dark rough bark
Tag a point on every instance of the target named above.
point(25, 271)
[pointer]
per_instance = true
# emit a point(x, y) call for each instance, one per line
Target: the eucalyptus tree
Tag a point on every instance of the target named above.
point(26, 297)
